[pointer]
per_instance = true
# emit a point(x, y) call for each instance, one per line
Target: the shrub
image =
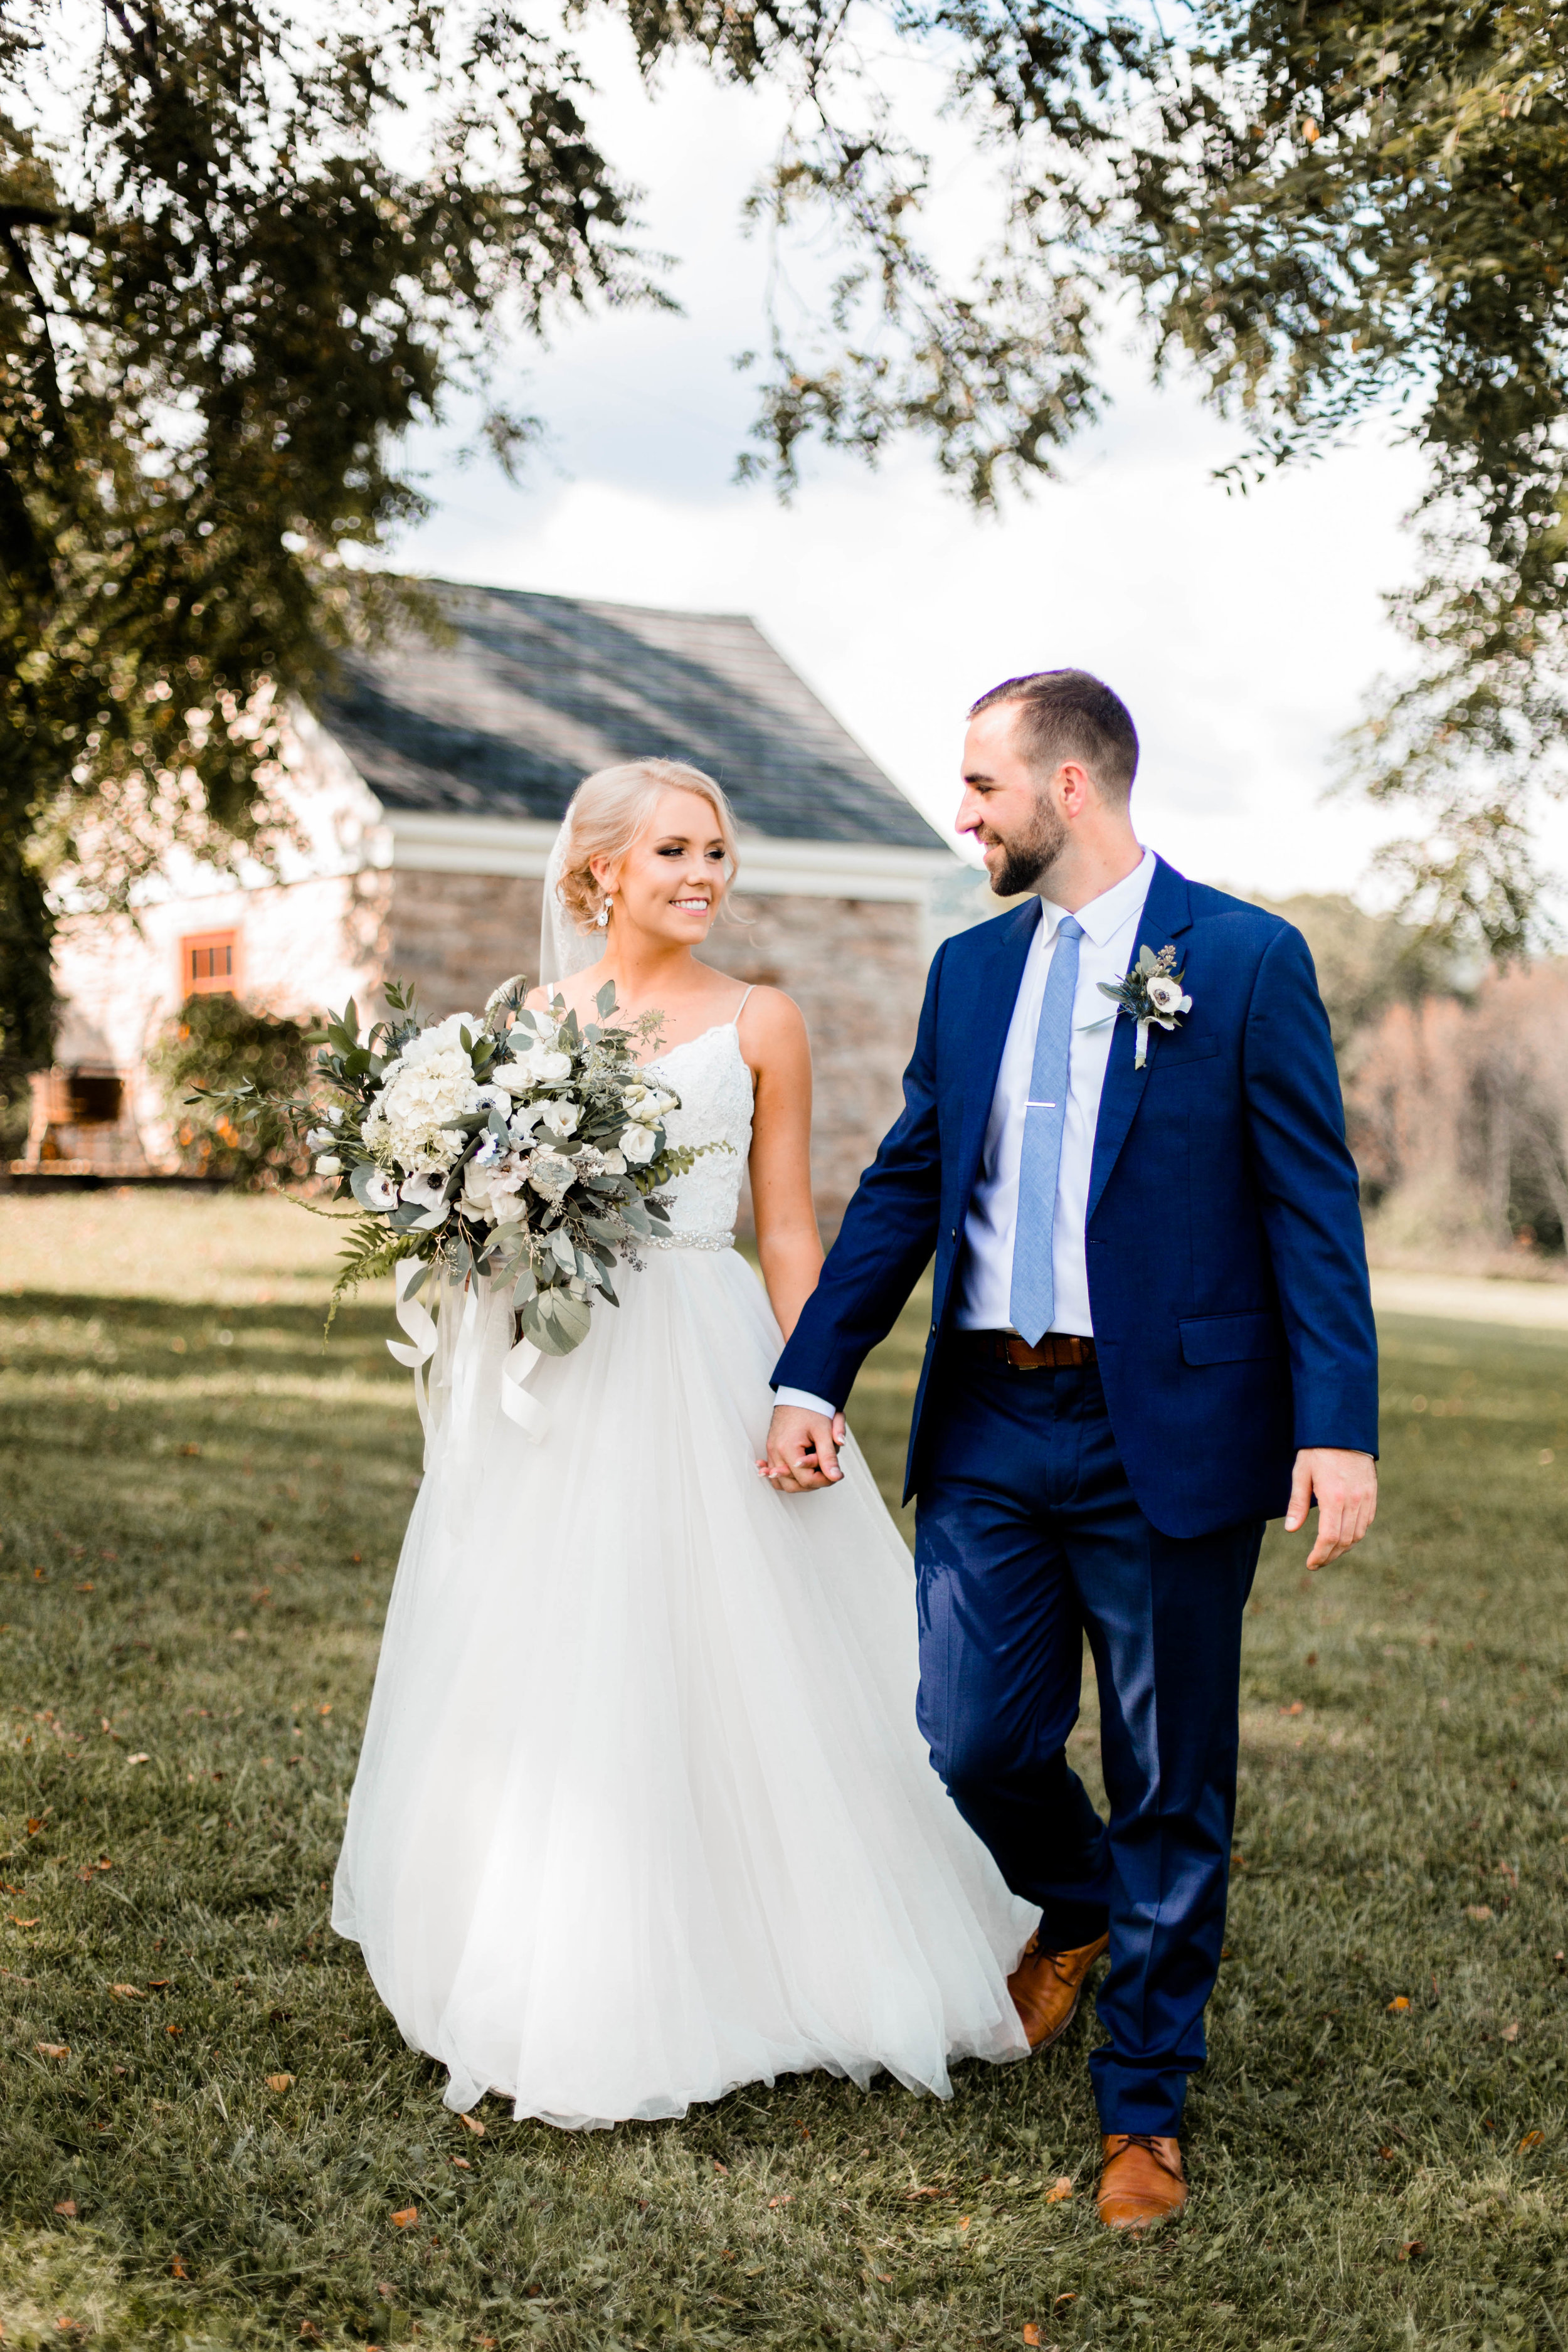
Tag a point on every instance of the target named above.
point(216, 1041)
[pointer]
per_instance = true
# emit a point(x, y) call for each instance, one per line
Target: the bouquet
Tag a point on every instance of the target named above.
point(519, 1145)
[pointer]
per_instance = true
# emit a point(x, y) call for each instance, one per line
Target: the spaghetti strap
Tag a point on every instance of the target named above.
point(740, 1008)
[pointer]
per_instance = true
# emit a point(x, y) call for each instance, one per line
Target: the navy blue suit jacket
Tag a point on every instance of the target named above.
point(1227, 1268)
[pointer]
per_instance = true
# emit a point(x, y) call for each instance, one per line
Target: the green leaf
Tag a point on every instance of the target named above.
point(606, 999)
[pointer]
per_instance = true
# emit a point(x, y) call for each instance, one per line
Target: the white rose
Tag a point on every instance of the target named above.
point(562, 1119)
point(513, 1077)
point(329, 1164)
point(320, 1139)
point(637, 1143)
point(476, 1187)
point(506, 1207)
point(549, 1068)
point(612, 1164)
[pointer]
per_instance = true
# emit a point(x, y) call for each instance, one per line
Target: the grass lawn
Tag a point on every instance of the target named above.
point(215, 2136)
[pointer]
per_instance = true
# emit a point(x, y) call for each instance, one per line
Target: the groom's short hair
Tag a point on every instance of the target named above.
point(1069, 715)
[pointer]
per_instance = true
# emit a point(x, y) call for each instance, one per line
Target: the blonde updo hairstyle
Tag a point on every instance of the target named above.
point(610, 809)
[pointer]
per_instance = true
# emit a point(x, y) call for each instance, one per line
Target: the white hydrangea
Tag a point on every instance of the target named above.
point(406, 1122)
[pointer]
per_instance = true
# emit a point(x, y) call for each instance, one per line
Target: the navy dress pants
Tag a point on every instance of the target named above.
point(1026, 1537)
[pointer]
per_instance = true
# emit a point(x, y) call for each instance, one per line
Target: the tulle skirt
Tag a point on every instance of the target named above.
point(641, 1812)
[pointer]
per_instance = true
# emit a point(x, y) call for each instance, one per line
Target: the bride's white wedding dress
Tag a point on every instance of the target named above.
point(642, 1812)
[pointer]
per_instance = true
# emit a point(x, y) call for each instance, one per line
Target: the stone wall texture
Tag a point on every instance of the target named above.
point(855, 967)
point(458, 936)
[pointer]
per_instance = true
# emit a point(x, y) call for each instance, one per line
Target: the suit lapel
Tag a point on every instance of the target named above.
point(1167, 913)
point(995, 992)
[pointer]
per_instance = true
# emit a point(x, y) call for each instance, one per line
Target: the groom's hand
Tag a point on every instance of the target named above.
point(802, 1450)
point(1345, 1487)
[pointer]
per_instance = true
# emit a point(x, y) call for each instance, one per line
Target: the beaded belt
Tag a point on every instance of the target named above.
point(688, 1241)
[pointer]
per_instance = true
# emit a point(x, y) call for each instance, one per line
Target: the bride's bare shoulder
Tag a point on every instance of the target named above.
point(771, 1025)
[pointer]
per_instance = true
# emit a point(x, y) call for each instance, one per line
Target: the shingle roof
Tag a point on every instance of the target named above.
point(534, 692)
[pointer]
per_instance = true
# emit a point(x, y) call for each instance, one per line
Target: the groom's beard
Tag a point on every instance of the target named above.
point(1023, 862)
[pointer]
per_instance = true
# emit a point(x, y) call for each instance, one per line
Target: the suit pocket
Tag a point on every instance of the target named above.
point(1230, 1339)
point(1175, 1047)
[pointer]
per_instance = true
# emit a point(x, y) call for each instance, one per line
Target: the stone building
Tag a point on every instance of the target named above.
point(426, 798)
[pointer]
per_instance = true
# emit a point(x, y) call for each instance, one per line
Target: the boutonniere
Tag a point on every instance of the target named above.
point(1152, 994)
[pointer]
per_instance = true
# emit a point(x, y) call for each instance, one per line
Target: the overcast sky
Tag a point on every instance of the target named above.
point(1243, 633)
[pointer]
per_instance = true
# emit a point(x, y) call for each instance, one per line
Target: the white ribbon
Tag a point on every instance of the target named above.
point(524, 1411)
point(420, 1325)
point(515, 1402)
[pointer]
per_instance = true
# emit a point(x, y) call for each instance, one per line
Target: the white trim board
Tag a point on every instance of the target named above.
point(435, 842)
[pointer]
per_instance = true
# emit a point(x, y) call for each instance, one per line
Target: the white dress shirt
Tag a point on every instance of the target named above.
point(1109, 926)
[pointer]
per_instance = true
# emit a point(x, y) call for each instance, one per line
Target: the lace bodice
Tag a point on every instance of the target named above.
point(710, 1075)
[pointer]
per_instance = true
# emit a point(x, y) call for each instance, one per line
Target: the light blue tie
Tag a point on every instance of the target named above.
point(1033, 1299)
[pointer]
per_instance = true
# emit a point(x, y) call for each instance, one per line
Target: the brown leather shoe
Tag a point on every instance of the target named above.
point(1047, 1988)
point(1143, 2182)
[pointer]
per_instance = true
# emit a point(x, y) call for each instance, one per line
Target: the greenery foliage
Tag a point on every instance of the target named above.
point(199, 1520)
point(215, 1040)
point(241, 250)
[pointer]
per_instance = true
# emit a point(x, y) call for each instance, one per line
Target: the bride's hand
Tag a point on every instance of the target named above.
point(802, 1450)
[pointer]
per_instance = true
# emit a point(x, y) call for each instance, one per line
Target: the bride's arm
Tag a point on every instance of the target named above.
point(774, 1042)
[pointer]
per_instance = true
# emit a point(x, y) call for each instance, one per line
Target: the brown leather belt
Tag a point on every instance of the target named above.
point(1056, 1350)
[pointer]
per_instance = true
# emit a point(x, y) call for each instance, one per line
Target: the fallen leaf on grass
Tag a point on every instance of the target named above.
point(21, 1922)
point(462, 2164)
point(1032, 2334)
point(717, 2166)
point(779, 2200)
point(126, 1992)
point(53, 2048)
point(1532, 2140)
point(406, 2218)
point(472, 2122)
point(177, 2269)
point(310, 2332)
point(1511, 2032)
point(67, 2206)
point(1295, 1707)
point(925, 2192)
point(1411, 2248)
point(1061, 2192)
point(284, 2083)
point(1478, 1910)
point(142, 1758)
point(1387, 2155)
point(1400, 2001)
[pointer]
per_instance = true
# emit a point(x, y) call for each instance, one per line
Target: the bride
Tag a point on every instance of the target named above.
point(641, 1812)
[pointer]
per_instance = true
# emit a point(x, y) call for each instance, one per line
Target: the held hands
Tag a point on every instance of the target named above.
point(1346, 1485)
point(802, 1450)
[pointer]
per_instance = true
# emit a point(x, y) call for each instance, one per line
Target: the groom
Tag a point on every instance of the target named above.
point(1150, 1331)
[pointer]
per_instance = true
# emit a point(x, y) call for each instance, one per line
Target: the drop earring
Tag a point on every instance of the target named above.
point(601, 919)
